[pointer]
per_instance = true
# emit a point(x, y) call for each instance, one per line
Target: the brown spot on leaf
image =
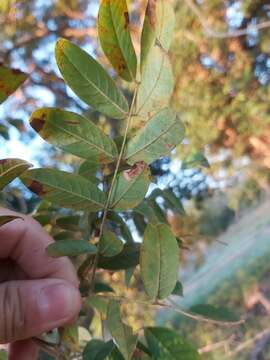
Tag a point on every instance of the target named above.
point(169, 146)
point(3, 161)
point(121, 68)
point(38, 123)
point(151, 12)
point(135, 171)
point(37, 188)
point(126, 16)
point(73, 122)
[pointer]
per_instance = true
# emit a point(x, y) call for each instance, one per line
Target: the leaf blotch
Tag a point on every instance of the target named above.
point(37, 188)
point(38, 123)
point(126, 16)
point(135, 171)
point(3, 161)
point(151, 12)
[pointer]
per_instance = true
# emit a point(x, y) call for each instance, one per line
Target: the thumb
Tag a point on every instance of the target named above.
point(29, 308)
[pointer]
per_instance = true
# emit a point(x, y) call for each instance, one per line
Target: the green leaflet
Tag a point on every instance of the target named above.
point(87, 78)
point(122, 226)
point(166, 344)
point(171, 201)
point(159, 136)
point(145, 209)
point(157, 84)
point(10, 80)
point(5, 219)
point(130, 188)
point(88, 169)
point(98, 350)
point(10, 169)
point(109, 244)
point(128, 258)
point(195, 159)
point(159, 261)
point(114, 35)
point(122, 334)
point(158, 26)
point(218, 313)
point(65, 189)
point(70, 248)
point(74, 134)
point(71, 222)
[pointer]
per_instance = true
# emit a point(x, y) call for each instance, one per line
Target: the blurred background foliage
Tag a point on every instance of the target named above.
point(221, 61)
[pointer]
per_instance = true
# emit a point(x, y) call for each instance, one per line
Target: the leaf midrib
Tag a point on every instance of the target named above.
point(154, 140)
point(83, 139)
point(95, 86)
point(155, 85)
point(132, 183)
point(70, 192)
point(10, 169)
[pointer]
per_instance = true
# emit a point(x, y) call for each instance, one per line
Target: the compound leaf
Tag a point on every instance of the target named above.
point(64, 189)
point(87, 78)
point(168, 344)
point(160, 135)
point(70, 248)
point(10, 169)
point(110, 245)
point(130, 187)
point(74, 134)
point(114, 35)
point(122, 334)
point(10, 80)
point(159, 261)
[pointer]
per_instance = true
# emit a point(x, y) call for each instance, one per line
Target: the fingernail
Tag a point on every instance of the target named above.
point(58, 302)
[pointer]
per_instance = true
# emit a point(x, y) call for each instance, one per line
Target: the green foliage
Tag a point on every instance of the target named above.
point(112, 182)
point(74, 134)
point(159, 261)
point(168, 345)
point(122, 334)
point(10, 169)
point(115, 39)
point(89, 80)
point(70, 248)
point(109, 244)
point(64, 189)
point(214, 312)
point(10, 80)
point(98, 350)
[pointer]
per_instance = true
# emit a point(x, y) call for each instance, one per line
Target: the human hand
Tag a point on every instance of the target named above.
point(37, 293)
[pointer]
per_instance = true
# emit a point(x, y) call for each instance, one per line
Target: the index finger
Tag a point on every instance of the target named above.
point(25, 241)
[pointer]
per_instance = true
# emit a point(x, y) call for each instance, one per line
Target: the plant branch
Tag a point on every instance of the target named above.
point(209, 32)
point(107, 205)
point(174, 307)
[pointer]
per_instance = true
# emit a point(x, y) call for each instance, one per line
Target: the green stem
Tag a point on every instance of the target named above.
point(107, 205)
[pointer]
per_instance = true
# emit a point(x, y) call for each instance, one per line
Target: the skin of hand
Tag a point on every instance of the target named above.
point(37, 293)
